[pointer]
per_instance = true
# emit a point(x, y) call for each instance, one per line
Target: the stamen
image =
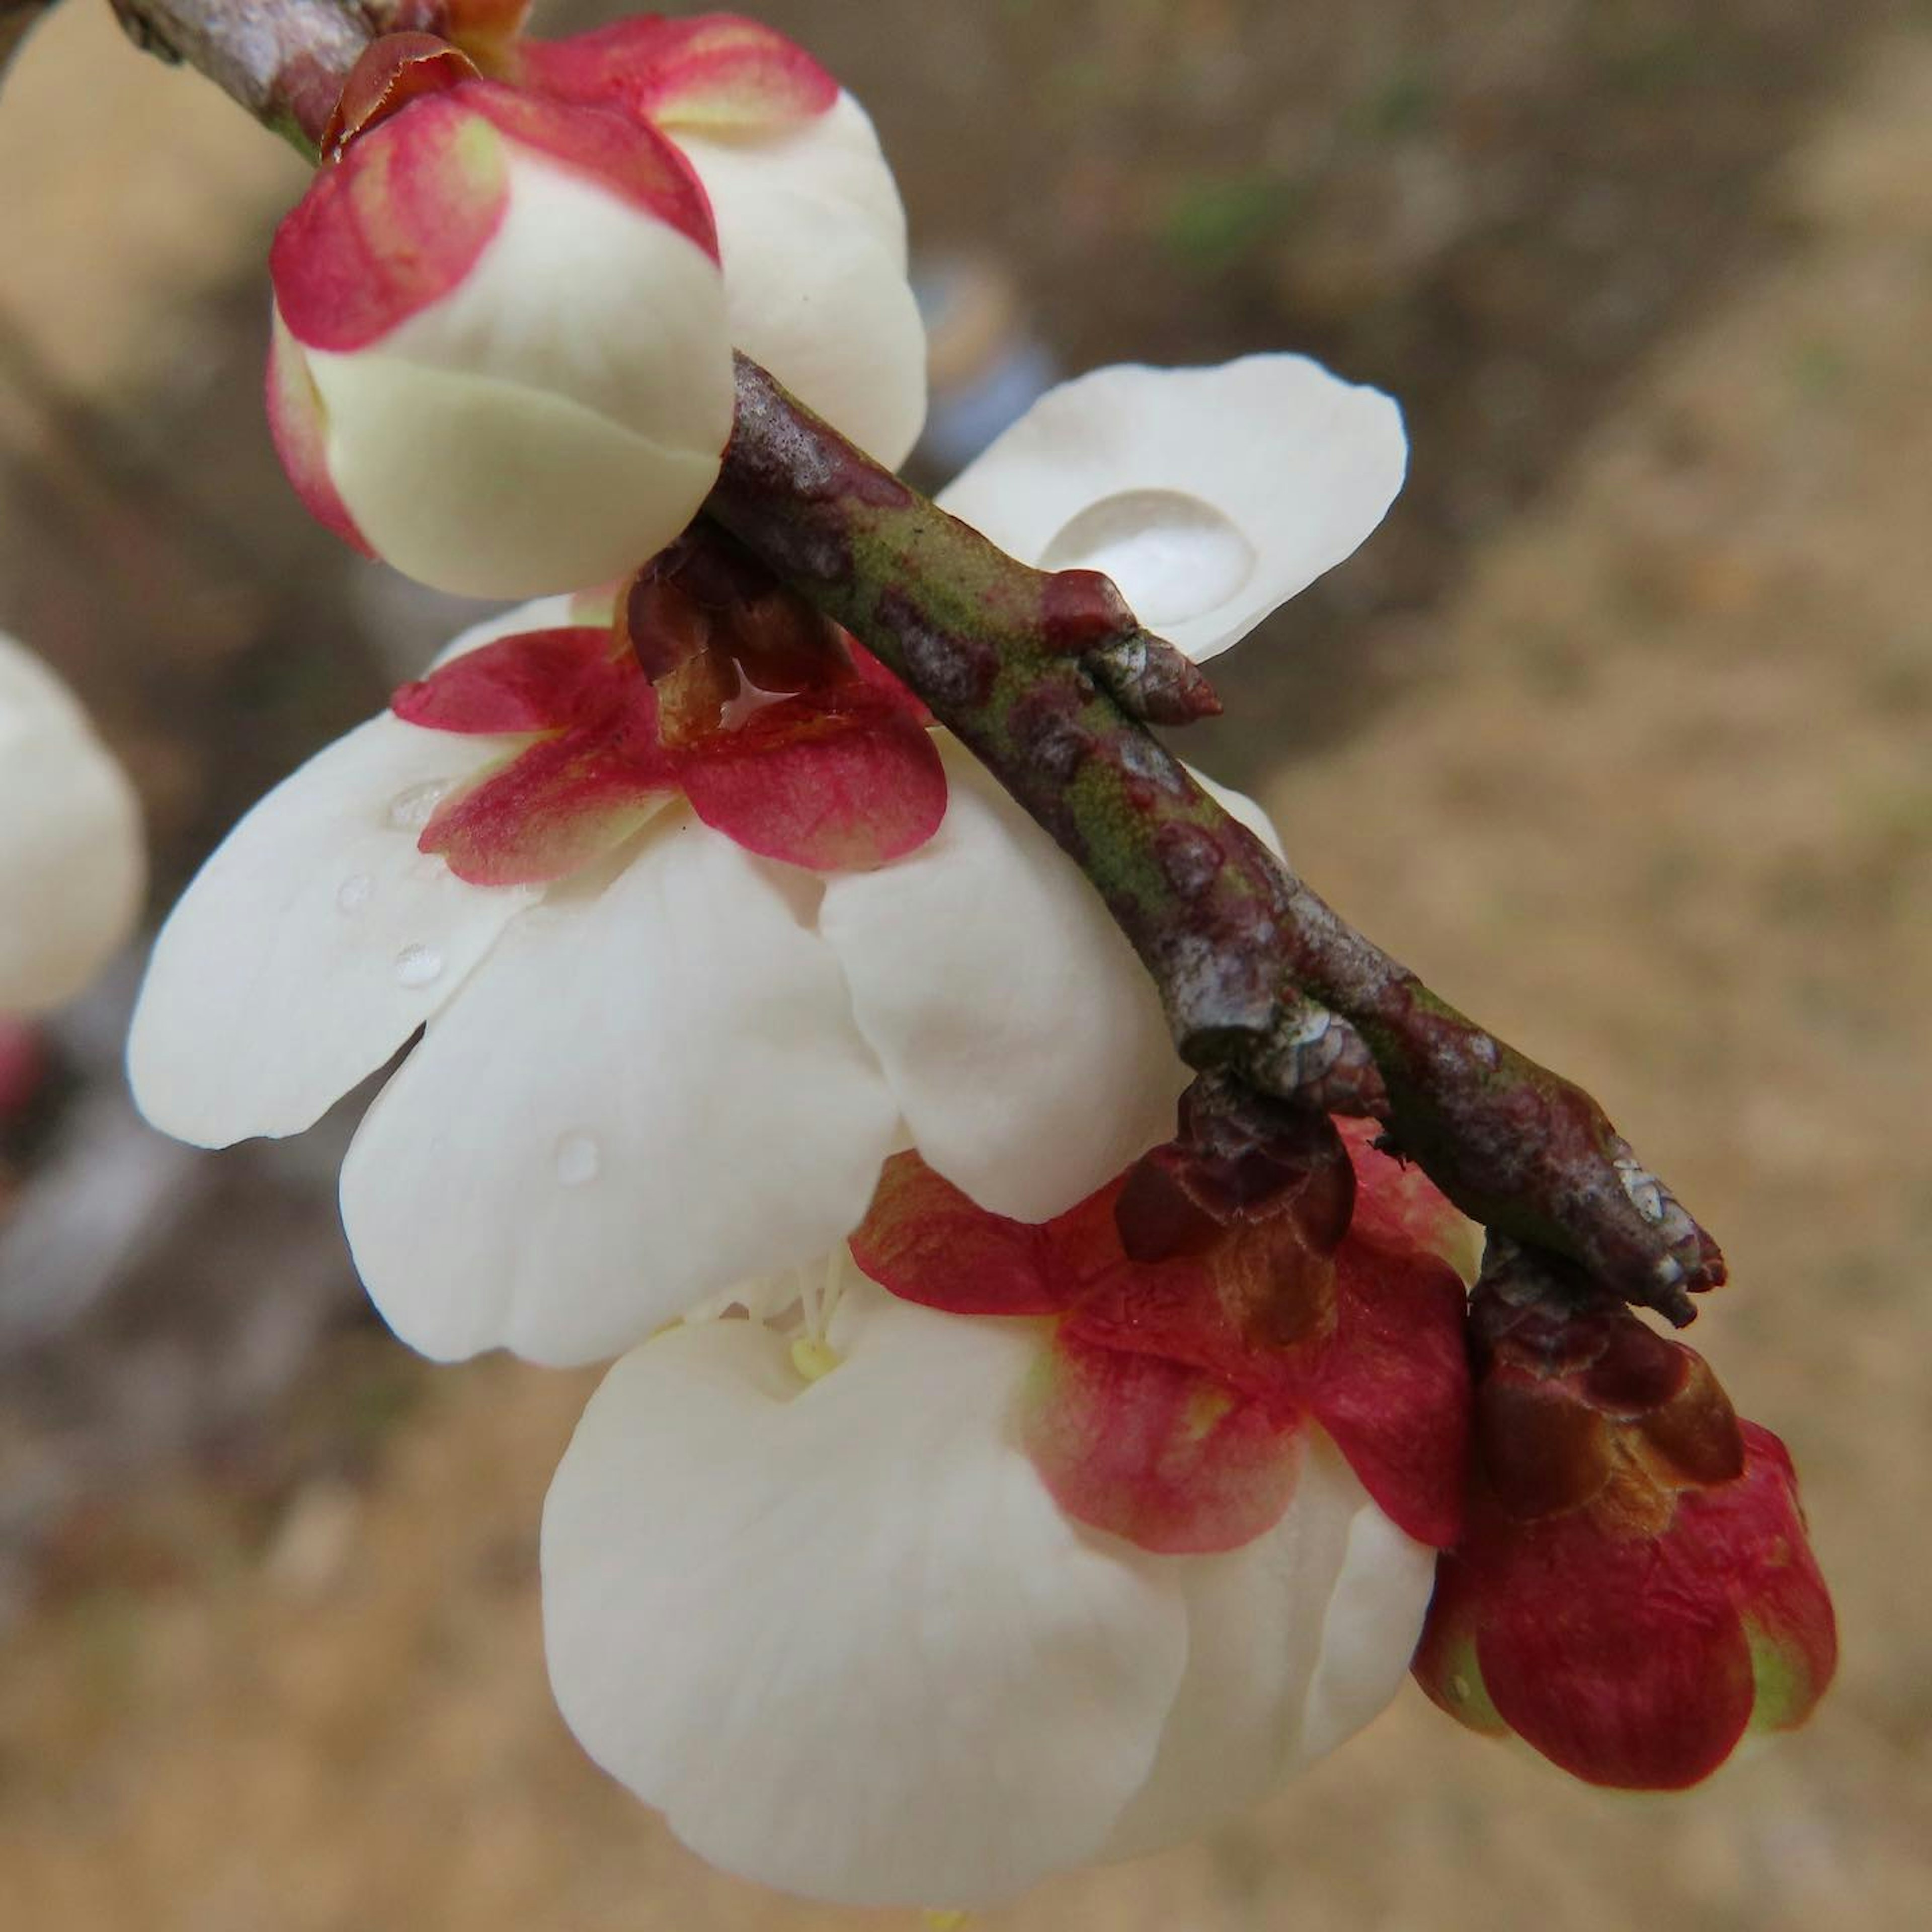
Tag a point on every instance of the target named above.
point(833, 1291)
point(814, 1361)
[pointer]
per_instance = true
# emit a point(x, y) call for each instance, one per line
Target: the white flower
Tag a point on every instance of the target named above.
point(683, 1065)
point(500, 358)
point(72, 867)
point(810, 226)
point(839, 1633)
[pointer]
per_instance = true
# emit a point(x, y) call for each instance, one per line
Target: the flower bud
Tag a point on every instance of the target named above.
point(1633, 1591)
point(499, 359)
point(809, 221)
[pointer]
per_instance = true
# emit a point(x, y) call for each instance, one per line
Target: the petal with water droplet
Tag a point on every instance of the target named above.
point(1211, 495)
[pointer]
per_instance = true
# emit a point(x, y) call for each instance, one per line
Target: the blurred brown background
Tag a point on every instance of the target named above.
point(1618, 731)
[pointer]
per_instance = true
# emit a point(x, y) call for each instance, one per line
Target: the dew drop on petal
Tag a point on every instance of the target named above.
point(410, 811)
point(1173, 556)
point(354, 893)
point(579, 1159)
point(418, 966)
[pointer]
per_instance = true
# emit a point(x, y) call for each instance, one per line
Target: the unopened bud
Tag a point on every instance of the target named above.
point(1634, 1590)
point(500, 360)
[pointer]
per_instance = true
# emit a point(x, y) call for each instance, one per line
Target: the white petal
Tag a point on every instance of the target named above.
point(72, 863)
point(813, 239)
point(1023, 1038)
point(653, 1091)
point(555, 419)
point(484, 489)
point(314, 943)
point(840, 1634)
point(1294, 1642)
point(1369, 1635)
point(1210, 495)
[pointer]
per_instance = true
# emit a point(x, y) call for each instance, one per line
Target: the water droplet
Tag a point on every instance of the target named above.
point(354, 893)
point(410, 811)
point(418, 966)
point(579, 1160)
point(1459, 1689)
point(1173, 556)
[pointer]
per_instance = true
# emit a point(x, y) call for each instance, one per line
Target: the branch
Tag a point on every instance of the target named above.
point(284, 61)
point(1259, 974)
point(1048, 678)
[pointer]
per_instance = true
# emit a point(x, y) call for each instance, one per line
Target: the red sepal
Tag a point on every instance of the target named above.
point(926, 1241)
point(835, 781)
point(1392, 1387)
point(536, 681)
point(1630, 1658)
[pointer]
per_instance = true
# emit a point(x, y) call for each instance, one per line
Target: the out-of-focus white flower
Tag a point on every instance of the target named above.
point(1210, 496)
point(810, 224)
point(500, 358)
point(665, 1060)
point(72, 864)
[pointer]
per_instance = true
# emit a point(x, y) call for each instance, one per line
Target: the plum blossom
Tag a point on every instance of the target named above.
point(500, 358)
point(72, 863)
point(832, 1588)
point(658, 1056)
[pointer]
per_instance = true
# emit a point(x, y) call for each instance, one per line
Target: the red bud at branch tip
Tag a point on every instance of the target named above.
point(1633, 1591)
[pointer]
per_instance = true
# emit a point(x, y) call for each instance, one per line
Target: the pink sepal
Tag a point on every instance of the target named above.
point(1161, 1454)
point(408, 208)
point(536, 681)
point(714, 71)
point(552, 809)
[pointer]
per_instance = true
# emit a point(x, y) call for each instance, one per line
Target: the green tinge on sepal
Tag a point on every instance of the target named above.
point(1459, 1690)
point(1786, 1691)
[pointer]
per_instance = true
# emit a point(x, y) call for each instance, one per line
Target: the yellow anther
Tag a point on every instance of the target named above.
point(814, 1361)
point(946, 1922)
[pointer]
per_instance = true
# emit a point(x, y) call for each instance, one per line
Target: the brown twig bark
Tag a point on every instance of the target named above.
point(284, 61)
point(1050, 679)
point(17, 19)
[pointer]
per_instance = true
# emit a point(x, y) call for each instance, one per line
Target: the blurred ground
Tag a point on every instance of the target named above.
point(1618, 732)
